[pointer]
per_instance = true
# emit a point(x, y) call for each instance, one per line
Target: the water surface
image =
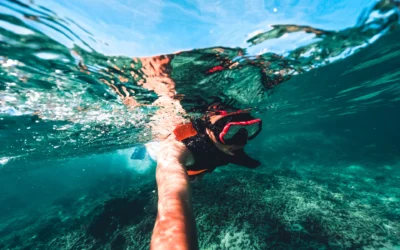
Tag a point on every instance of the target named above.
point(328, 95)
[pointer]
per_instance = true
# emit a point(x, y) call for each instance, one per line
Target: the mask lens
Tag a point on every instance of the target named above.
point(237, 128)
point(252, 130)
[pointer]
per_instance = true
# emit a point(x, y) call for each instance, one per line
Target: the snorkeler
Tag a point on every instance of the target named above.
point(215, 140)
point(192, 150)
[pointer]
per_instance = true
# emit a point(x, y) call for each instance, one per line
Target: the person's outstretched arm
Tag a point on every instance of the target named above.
point(175, 227)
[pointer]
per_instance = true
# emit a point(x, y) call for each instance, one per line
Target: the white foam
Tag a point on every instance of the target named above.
point(5, 160)
point(153, 148)
point(143, 166)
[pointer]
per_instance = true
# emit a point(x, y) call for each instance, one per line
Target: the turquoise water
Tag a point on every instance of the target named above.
point(329, 147)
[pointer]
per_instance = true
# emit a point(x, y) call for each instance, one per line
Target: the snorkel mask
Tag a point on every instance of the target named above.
point(236, 127)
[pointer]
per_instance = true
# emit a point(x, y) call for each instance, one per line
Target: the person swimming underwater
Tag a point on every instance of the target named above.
point(192, 150)
point(215, 140)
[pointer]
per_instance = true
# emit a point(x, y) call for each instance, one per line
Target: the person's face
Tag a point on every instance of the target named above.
point(228, 149)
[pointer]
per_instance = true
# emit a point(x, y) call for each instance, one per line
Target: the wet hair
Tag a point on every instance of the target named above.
point(200, 124)
point(215, 107)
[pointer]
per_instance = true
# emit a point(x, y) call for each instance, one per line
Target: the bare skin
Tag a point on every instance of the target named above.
point(175, 227)
point(227, 149)
point(157, 71)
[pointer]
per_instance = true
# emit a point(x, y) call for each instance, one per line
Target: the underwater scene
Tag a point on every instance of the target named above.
point(82, 83)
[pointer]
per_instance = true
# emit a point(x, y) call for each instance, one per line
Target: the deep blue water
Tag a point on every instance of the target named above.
point(329, 148)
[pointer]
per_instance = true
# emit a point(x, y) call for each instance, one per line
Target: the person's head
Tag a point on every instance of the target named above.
point(231, 131)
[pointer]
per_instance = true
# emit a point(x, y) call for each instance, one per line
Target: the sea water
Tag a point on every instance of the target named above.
point(329, 99)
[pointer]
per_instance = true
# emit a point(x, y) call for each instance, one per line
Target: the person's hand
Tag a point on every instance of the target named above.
point(175, 227)
point(174, 151)
point(242, 159)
